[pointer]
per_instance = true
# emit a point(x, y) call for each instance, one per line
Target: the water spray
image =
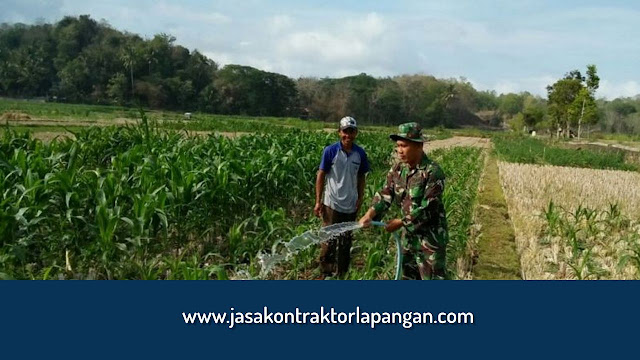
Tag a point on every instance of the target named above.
point(313, 237)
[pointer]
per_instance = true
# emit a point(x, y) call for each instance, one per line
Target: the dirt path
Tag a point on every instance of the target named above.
point(608, 145)
point(48, 136)
point(70, 123)
point(231, 135)
point(458, 141)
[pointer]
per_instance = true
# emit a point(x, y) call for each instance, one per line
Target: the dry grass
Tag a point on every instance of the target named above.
point(458, 141)
point(13, 116)
point(48, 136)
point(549, 254)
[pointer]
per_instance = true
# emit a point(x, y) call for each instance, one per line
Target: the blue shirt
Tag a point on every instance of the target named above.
point(341, 182)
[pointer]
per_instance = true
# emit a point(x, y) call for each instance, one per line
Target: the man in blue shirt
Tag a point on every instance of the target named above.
point(339, 193)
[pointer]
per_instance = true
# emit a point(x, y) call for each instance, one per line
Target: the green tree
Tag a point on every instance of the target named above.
point(208, 99)
point(561, 96)
point(160, 48)
point(117, 89)
point(584, 109)
point(361, 90)
point(534, 111)
point(486, 100)
point(200, 70)
point(74, 80)
point(586, 100)
point(386, 103)
point(511, 104)
point(532, 116)
point(248, 91)
point(572, 100)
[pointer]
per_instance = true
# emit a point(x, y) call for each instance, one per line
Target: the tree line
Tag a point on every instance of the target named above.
point(81, 60)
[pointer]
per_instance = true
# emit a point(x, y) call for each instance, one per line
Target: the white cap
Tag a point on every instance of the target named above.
point(348, 122)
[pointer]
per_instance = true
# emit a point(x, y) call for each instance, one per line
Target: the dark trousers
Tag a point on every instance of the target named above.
point(338, 249)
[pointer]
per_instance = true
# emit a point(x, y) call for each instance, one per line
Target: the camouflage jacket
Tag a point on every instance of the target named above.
point(419, 194)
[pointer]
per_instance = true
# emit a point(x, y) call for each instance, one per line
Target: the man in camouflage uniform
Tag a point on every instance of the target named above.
point(416, 183)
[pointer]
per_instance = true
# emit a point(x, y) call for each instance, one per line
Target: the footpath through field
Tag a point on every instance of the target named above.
point(494, 247)
point(494, 237)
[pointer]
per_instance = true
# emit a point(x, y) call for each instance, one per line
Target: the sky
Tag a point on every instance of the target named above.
point(506, 46)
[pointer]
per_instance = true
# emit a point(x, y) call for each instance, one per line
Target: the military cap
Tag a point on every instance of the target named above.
point(409, 131)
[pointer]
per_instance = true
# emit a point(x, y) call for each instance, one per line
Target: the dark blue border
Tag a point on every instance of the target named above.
point(124, 319)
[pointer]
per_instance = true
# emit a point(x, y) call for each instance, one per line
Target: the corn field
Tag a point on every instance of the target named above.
point(136, 202)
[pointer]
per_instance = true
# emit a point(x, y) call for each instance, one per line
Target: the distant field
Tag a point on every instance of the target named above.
point(528, 150)
point(42, 116)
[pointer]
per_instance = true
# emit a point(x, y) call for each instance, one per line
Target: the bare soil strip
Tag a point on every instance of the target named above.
point(68, 122)
point(458, 141)
point(48, 136)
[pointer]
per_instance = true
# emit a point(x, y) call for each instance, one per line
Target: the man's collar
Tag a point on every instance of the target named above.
point(423, 164)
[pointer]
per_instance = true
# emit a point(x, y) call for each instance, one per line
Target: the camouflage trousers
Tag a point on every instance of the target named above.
point(336, 251)
point(423, 261)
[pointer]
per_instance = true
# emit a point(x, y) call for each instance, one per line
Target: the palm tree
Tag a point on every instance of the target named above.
point(445, 100)
point(129, 59)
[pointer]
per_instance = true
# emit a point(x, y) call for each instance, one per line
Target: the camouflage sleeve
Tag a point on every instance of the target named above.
point(383, 199)
point(425, 203)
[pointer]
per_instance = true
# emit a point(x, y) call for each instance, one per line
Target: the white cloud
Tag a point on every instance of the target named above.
point(506, 86)
point(484, 37)
point(341, 45)
point(538, 86)
point(323, 45)
point(368, 28)
point(181, 13)
point(611, 90)
point(535, 85)
point(279, 23)
point(220, 58)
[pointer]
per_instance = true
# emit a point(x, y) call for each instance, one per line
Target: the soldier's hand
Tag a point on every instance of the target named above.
point(317, 210)
point(393, 225)
point(365, 221)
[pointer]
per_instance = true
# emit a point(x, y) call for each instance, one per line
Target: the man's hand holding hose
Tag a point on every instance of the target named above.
point(391, 226)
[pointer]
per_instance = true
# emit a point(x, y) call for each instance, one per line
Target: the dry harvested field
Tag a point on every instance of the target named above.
point(574, 223)
point(48, 136)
